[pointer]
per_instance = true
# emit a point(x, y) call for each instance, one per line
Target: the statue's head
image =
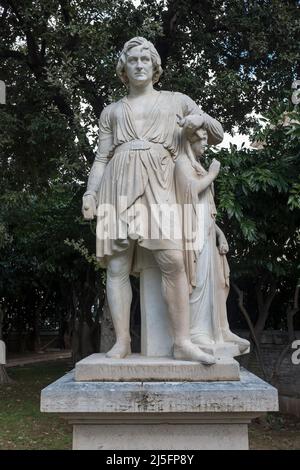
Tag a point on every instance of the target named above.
point(198, 141)
point(139, 48)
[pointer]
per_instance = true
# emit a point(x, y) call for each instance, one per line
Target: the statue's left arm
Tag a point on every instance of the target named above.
point(222, 242)
point(195, 118)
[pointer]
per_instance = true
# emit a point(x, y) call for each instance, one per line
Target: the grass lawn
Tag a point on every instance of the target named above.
point(22, 426)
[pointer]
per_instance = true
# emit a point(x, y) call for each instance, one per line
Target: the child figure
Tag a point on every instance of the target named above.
point(206, 263)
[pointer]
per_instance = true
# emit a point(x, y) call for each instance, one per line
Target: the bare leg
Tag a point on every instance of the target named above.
point(119, 297)
point(176, 293)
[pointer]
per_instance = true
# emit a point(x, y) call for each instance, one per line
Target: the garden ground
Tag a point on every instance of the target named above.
point(22, 426)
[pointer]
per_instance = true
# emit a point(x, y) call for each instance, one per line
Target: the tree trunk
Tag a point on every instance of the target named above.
point(242, 308)
point(291, 312)
point(108, 337)
point(37, 332)
point(263, 303)
point(86, 340)
point(37, 320)
point(4, 378)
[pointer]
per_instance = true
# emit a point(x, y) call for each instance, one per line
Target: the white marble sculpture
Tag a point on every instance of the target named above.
point(146, 165)
point(206, 264)
point(133, 173)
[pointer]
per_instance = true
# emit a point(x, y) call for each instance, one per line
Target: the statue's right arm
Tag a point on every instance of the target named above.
point(89, 200)
point(185, 176)
point(205, 181)
point(105, 141)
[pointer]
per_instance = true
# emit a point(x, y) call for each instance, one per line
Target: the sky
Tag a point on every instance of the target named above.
point(237, 139)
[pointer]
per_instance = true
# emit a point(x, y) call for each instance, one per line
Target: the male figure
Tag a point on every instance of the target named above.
point(139, 140)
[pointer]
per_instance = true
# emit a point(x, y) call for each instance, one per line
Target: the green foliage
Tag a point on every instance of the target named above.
point(258, 198)
point(231, 56)
point(58, 62)
point(35, 261)
point(80, 247)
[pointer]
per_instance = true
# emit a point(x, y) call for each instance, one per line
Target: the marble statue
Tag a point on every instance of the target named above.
point(206, 264)
point(155, 212)
point(133, 173)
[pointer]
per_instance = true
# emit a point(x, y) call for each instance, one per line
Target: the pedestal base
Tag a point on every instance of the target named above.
point(160, 415)
point(138, 368)
point(163, 436)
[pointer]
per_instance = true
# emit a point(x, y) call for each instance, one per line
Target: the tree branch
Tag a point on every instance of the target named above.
point(36, 62)
point(65, 11)
point(164, 44)
point(92, 97)
point(264, 304)
point(9, 54)
point(240, 294)
point(291, 333)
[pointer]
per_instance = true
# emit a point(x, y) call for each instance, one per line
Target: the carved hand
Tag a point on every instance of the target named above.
point(89, 209)
point(214, 168)
point(222, 244)
point(191, 122)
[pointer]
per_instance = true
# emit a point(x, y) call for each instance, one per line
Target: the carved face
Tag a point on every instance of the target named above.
point(199, 142)
point(139, 67)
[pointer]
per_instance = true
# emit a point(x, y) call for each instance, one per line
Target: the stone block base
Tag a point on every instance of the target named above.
point(138, 368)
point(160, 436)
point(160, 415)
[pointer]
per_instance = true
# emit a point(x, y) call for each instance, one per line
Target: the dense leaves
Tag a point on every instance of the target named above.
point(259, 206)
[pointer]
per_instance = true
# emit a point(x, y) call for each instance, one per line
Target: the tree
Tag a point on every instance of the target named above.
point(233, 56)
point(58, 62)
point(43, 279)
point(259, 203)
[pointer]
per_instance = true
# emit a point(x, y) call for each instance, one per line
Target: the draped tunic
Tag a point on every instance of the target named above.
point(137, 197)
point(207, 270)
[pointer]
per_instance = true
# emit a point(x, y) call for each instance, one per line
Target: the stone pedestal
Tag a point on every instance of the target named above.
point(160, 415)
point(156, 331)
point(137, 368)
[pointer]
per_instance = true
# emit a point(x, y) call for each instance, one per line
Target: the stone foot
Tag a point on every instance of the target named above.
point(242, 343)
point(187, 351)
point(120, 350)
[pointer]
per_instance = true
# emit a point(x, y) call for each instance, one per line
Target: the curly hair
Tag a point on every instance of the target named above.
point(155, 57)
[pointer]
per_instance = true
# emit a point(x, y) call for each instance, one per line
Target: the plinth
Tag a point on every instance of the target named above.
point(157, 414)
